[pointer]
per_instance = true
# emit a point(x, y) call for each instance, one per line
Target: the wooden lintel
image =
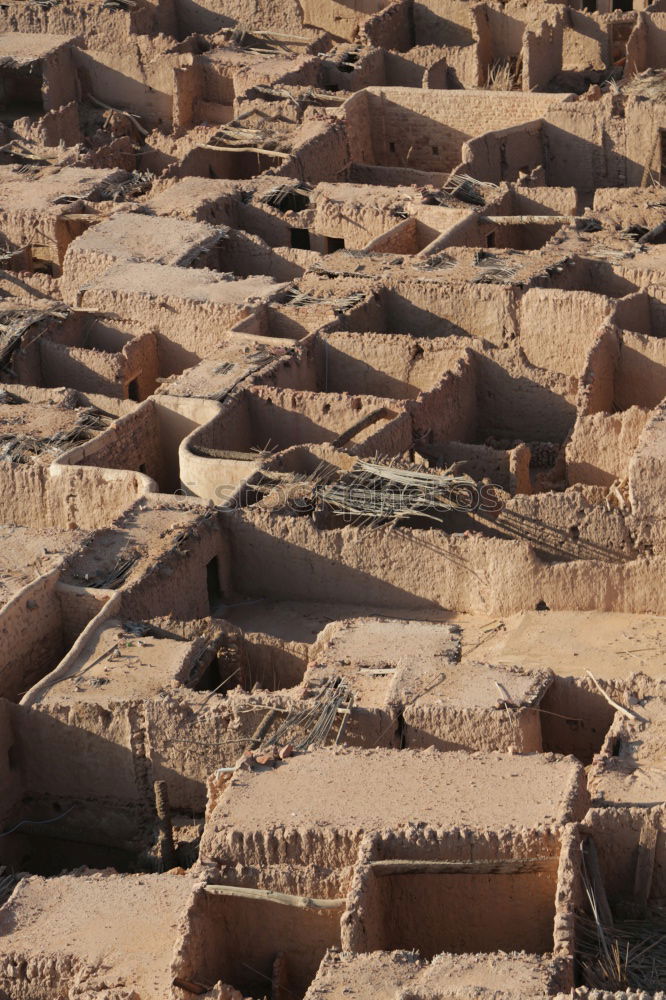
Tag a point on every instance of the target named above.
point(492, 866)
point(247, 149)
point(268, 896)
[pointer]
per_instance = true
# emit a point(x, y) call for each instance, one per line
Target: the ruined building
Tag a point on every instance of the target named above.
point(332, 490)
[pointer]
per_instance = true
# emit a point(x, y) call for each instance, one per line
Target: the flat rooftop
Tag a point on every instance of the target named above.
point(38, 425)
point(118, 664)
point(371, 790)
point(118, 929)
point(20, 193)
point(132, 236)
point(386, 975)
point(21, 48)
point(194, 285)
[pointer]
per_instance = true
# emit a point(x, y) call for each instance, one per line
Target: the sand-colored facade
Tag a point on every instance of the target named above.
point(332, 455)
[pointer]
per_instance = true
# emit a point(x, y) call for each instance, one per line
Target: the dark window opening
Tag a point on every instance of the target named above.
point(625, 5)
point(490, 239)
point(300, 239)
point(435, 150)
point(20, 94)
point(391, 147)
point(213, 583)
point(133, 390)
point(334, 243)
point(142, 468)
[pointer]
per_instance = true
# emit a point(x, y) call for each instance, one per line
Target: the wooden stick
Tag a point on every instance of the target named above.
point(647, 846)
point(189, 986)
point(262, 729)
point(248, 149)
point(594, 870)
point(120, 111)
point(627, 712)
point(490, 866)
point(266, 895)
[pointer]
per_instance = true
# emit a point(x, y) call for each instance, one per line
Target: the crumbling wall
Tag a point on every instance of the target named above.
point(558, 328)
point(602, 446)
point(542, 52)
point(31, 625)
point(503, 154)
point(67, 497)
point(429, 136)
point(288, 559)
point(132, 442)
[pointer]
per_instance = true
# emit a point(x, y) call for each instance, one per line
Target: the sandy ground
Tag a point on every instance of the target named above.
point(121, 927)
point(611, 645)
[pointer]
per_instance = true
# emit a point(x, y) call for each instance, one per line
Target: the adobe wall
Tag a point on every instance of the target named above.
point(133, 75)
point(79, 368)
point(66, 497)
point(78, 606)
point(175, 584)
point(445, 22)
point(646, 474)
point(597, 384)
point(431, 309)
point(442, 122)
point(449, 412)
point(88, 20)
point(390, 28)
point(519, 913)
point(502, 154)
point(60, 85)
point(419, 569)
point(129, 443)
point(542, 52)
point(31, 626)
point(56, 126)
point(602, 445)
point(190, 314)
point(558, 328)
point(640, 375)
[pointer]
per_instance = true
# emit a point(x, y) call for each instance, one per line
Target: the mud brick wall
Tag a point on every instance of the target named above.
point(435, 129)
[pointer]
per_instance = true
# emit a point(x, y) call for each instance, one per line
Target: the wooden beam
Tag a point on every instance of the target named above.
point(647, 846)
point(267, 896)
point(594, 871)
point(247, 149)
point(491, 866)
point(510, 220)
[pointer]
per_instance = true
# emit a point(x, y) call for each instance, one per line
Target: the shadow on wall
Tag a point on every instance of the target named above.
point(263, 565)
point(403, 138)
point(517, 407)
point(108, 799)
point(239, 940)
point(153, 106)
point(398, 314)
point(572, 160)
